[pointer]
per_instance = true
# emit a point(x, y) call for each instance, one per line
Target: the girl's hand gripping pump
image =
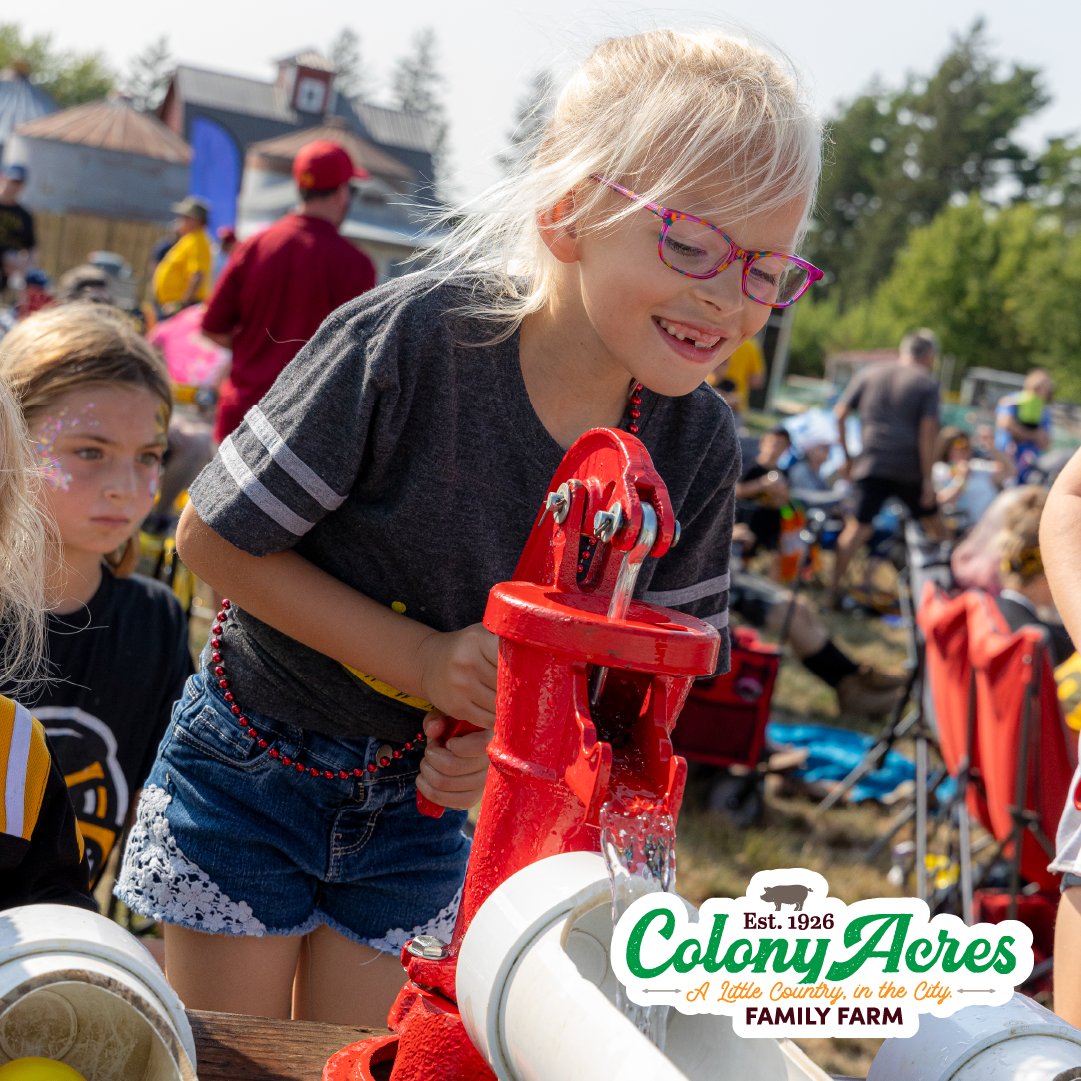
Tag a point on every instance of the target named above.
point(590, 683)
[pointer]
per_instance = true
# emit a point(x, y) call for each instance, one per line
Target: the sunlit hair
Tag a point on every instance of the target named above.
point(73, 347)
point(657, 112)
point(1019, 541)
point(948, 437)
point(23, 532)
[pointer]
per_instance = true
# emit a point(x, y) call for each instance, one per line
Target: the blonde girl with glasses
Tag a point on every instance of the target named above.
point(360, 514)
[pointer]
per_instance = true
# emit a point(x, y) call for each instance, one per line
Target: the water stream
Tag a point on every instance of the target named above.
point(638, 841)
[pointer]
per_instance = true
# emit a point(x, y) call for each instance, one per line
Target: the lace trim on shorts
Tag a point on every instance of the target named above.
point(158, 881)
point(441, 926)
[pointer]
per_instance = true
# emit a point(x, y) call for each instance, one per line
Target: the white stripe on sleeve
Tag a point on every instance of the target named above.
point(18, 764)
point(258, 493)
point(668, 598)
point(718, 620)
point(284, 456)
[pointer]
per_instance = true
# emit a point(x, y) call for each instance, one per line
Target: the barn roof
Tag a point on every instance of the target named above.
point(363, 153)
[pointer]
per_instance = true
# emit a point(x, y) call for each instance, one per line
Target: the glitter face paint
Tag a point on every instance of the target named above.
point(49, 429)
point(99, 450)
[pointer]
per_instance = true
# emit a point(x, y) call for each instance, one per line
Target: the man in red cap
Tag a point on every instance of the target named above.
point(280, 284)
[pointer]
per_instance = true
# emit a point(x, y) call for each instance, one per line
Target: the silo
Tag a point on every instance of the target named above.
point(20, 101)
point(102, 176)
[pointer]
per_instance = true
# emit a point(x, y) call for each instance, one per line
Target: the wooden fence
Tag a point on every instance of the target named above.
point(66, 240)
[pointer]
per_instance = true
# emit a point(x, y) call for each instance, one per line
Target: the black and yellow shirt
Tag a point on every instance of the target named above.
point(42, 858)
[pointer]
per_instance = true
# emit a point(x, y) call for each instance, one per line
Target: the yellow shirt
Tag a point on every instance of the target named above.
point(747, 361)
point(188, 256)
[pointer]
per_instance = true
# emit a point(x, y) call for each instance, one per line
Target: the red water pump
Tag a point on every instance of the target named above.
point(590, 683)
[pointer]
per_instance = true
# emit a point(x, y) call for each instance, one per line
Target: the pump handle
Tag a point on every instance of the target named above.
point(455, 728)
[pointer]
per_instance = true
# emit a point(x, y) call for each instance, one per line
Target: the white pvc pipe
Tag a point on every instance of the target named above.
point(1018, 1041)
point(88, 976)
point(536, 991)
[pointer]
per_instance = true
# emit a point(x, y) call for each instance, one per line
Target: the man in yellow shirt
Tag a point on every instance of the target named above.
point(183, 275)
point(742, 372)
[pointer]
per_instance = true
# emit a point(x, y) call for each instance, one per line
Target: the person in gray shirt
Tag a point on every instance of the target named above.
point(897, 404)
point(362, 510)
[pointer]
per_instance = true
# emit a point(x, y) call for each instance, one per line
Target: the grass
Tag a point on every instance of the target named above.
point(716, 859)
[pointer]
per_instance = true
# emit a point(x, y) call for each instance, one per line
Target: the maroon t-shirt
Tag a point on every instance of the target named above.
point(277, 288)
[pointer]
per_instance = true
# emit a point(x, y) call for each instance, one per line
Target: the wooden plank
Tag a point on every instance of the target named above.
point(231, 1047)
point(66, 240)
point(82, 235)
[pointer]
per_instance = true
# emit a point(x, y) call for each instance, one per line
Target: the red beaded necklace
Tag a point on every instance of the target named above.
point(253, 733)
point(634, 413)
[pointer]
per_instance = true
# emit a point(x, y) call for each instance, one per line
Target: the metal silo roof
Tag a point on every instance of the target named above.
point(111, 125)
point(20, 101)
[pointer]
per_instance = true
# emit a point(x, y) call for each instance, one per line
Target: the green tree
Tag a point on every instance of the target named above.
point(70, 78)
point(1047, 315)
point(350, 76)
point(417, 87)
point(530, 118)
point(149, 74)
point(899, 158)
point(1054, 181)
point(997, 284)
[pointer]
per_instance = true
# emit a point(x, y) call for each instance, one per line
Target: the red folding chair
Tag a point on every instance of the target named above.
point(723, 722)
point(950, 702)
point(1027, 753)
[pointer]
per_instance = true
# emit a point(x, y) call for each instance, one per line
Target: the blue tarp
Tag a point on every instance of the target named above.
point(834, 752)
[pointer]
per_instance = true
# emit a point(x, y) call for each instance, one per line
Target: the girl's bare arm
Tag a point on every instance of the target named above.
point(1060, 544)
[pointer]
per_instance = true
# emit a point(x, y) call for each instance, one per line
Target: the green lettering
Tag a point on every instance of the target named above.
point(732, 962)
point(810, 967)
point(977, 951)
point(710, 962)
point(638, 933)
point(687, 955)
point(924, 947)
point(1004, 960)
point(897, 922)
point(951, 962)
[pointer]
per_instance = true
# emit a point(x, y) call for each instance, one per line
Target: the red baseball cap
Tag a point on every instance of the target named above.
point(323, 166)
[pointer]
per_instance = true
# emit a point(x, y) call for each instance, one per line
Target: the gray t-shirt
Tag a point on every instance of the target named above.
point(892, 399)
point(411, 466)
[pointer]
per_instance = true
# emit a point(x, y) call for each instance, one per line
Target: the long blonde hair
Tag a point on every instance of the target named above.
point(1019, 541)
point(23, 533)
point(651, 111)
point(72, 347)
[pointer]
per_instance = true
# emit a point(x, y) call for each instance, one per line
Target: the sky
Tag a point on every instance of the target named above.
point(488, 53)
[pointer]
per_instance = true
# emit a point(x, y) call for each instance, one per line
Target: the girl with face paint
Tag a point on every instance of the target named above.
point(96, 400)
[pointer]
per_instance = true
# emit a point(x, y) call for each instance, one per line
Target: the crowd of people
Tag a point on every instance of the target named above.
point(270, 790)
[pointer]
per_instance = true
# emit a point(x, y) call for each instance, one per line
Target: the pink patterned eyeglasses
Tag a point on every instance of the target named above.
point(698, 249)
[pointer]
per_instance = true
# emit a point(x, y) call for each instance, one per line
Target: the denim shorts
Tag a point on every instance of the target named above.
point(229, 840)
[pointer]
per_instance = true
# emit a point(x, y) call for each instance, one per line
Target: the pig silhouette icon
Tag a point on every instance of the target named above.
point(786, 895)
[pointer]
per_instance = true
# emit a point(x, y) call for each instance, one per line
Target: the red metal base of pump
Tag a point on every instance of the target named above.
point(564, 744)
point(430, 1044)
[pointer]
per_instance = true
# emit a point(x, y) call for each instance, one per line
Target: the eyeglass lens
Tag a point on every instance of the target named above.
point(695, 248)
